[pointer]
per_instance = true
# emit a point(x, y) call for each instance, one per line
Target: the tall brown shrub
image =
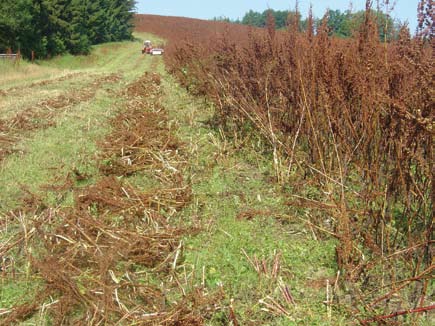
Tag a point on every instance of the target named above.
point(351, 119)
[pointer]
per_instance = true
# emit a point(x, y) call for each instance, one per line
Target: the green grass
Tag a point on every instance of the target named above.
point(15, 74)
point(47, 155)
point(125, 57)
point(8, 66)
point(53, 153)
point(118, 57)
point(13, 293)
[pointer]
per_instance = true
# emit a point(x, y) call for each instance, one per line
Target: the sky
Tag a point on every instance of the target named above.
point(405, 10)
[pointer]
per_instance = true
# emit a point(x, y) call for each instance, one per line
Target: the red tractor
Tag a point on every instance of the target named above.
point(147, 47)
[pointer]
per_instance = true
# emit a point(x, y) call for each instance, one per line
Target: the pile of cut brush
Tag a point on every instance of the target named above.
point(112, 257)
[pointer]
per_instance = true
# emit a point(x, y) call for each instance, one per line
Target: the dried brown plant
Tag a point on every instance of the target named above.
point(352, 118)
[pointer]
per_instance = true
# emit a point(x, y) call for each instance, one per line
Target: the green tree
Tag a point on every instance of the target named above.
point(96, 21)
point(16, 28)
point(280, 18)
point(387, 27)
point(340, 24)
point(56, 28)
point(52, 27)
point(79, 41)
point(223, 19)
point(120, 17)
point(254, 18)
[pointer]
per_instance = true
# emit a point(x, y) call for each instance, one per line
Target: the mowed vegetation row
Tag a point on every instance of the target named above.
point(50, 157)
point(122, 204)
point(40, 113)
point(348, 125)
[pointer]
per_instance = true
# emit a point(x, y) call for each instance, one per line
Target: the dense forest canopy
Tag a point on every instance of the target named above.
point(53, 27)
point(340, 23)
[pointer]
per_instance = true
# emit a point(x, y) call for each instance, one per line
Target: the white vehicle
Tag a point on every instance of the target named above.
point(157, 51)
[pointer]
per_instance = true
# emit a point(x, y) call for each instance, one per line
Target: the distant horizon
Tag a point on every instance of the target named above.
point(404, 11)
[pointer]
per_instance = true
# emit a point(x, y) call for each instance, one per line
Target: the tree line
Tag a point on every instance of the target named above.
point(340, 23)
point(48, 28)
